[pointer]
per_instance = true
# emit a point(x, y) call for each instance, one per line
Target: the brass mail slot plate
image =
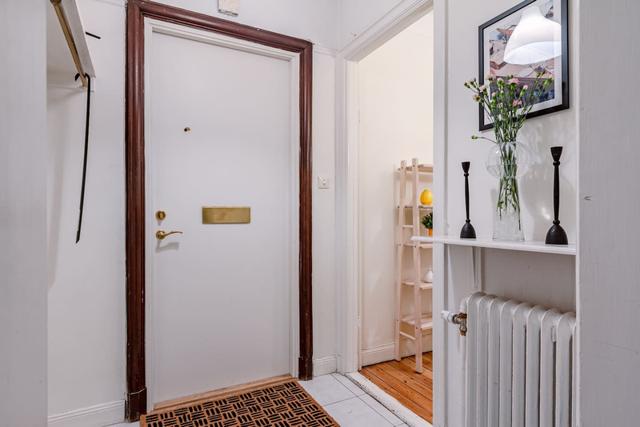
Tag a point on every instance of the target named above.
point(226, 215)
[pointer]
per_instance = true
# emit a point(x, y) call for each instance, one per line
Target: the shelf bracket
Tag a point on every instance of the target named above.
point(476, 256)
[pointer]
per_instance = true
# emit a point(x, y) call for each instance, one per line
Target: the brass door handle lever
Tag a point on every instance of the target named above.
point(161, 234)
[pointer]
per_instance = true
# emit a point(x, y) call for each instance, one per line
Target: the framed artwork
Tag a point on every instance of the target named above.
point(493, 37)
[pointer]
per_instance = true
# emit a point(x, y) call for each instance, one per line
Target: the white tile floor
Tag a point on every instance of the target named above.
point(347, 403)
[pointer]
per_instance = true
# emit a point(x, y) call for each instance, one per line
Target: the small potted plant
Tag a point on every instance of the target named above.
point(427, 221)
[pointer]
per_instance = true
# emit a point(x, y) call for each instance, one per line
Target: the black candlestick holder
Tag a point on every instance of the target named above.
point(556, 234)
point(467, 232)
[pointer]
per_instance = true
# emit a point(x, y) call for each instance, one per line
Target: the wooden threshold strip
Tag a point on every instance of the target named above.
point(216, 394)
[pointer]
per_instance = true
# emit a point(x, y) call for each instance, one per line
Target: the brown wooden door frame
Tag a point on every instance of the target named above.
point(137, 11)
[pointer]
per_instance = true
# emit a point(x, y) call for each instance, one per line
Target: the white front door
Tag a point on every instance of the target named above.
point(219, 133)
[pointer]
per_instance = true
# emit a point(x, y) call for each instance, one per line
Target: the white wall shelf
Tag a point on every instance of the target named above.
point(528, 246)
point(67, 48)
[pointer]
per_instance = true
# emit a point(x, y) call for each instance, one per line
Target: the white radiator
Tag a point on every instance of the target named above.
point(520, 364)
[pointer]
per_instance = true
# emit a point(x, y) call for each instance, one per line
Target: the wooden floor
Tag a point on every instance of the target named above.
point(400, 380)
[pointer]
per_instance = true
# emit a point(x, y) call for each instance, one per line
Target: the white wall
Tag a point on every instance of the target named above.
point(307, 19)
point(324, 223)
point(541, 279)
point(395, 96)
point(539, 134)
point(609, 295)
point(87, 282)
point(23, 303)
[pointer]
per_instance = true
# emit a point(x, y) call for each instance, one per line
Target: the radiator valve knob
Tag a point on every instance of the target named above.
point(459, 319)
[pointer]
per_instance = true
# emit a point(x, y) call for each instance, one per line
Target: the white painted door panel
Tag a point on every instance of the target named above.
point(219, 134)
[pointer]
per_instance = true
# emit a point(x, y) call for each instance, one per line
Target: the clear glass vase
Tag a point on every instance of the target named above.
point(507, 225)
point(507, 161)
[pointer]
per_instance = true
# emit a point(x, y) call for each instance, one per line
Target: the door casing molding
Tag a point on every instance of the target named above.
point(137, 12)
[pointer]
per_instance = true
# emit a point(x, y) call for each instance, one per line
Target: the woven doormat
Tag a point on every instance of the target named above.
point(282, 405)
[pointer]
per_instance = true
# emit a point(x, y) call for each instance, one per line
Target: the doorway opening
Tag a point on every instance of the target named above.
point(391, 89)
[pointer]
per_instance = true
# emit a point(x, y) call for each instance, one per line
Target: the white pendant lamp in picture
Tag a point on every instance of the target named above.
point(535, 39)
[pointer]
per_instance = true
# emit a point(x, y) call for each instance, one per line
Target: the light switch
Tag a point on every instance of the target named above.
point(323, 183)
point(229, 7)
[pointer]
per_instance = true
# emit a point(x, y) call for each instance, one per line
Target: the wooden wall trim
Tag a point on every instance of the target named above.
point(137, 11)
point(305, 363)
point(136, 402)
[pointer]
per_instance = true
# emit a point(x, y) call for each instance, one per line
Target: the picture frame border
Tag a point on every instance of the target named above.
point(564, 22)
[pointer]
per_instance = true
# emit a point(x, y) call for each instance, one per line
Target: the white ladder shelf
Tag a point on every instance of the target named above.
point(417, 323)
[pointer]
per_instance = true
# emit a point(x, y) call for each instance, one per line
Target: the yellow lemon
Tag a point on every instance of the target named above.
point(426, 198)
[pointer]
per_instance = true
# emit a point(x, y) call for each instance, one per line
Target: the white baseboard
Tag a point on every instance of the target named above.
point(324, 366)
point(113, 412)
point(384, 353)
point(94, 416)
point(379, 354)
